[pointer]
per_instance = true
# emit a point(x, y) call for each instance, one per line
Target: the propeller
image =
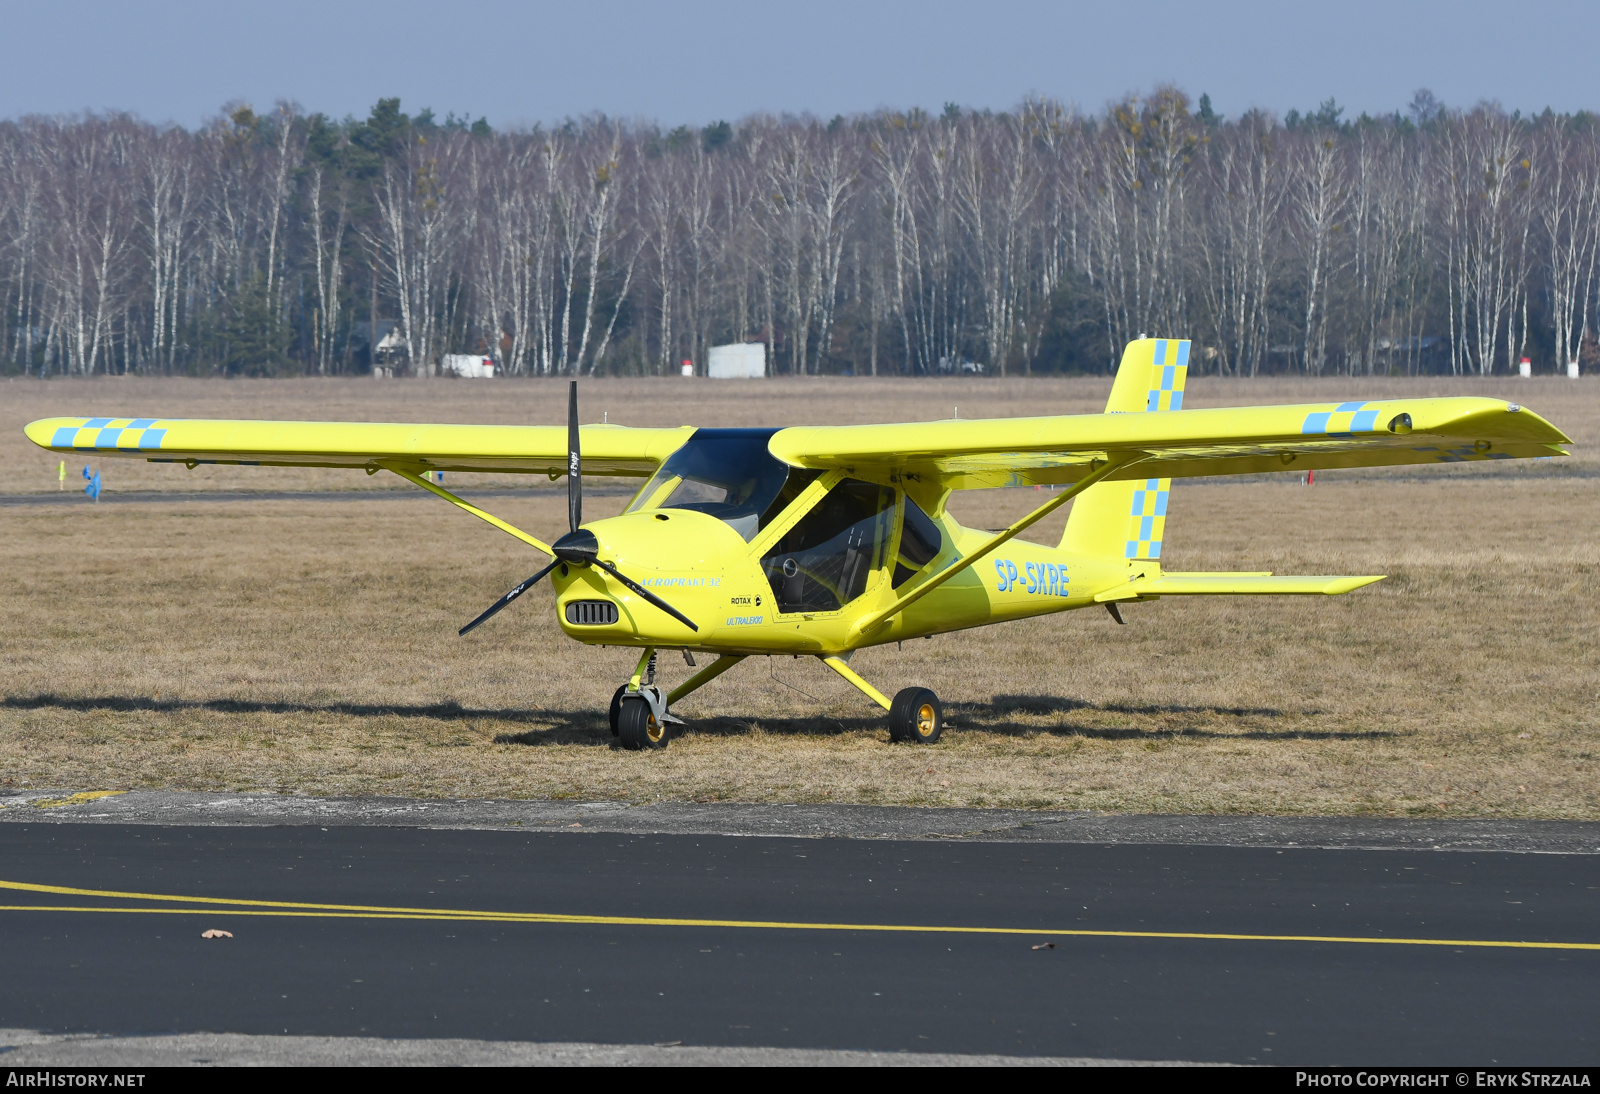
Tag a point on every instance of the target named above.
point(581, 548)
point(578, 547)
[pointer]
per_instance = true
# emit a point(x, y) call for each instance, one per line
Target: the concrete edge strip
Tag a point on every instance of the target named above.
point(29, 1048)
point(194, 808)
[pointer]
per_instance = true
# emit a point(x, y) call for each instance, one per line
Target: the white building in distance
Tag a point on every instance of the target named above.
point(471, 366)
point(738, 361)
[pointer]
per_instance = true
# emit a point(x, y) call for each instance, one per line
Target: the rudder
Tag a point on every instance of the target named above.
point(1128, 519)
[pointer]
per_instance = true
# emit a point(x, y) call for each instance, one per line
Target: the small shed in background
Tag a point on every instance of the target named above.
point(738, 361)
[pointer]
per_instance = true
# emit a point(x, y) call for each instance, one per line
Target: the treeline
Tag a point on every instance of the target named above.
point(893, 243)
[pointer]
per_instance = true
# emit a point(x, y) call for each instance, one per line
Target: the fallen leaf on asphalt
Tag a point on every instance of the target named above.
point(1045, 946)
point(214, 933)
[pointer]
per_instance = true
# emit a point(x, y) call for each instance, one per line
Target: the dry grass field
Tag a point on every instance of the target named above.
point(310, 645)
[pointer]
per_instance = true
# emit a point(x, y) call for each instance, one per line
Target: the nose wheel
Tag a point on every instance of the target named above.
point(638, 728)
point(916, 716)
point(639, 709)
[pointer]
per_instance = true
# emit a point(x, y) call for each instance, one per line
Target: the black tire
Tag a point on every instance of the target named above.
point(916, 716)
point(637, 727)
point(616, 707)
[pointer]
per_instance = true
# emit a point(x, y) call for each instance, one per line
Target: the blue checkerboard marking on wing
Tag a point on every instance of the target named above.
point(1333, 423)
point(98, 434)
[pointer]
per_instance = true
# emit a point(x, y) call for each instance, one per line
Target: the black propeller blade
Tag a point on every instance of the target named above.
point(509, 597)
point(574, 463)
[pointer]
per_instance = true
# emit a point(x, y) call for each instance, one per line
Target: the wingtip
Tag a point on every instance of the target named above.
point(41, 431)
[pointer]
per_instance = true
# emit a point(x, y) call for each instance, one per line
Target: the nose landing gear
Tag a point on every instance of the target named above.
point(639, 715)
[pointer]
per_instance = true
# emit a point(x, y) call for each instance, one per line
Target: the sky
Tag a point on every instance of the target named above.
point(696, 61)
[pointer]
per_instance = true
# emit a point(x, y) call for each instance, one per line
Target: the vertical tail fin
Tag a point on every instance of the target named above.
point(1128, 519)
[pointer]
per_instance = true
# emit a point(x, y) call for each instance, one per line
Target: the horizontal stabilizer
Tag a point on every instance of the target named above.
point(1241, 584)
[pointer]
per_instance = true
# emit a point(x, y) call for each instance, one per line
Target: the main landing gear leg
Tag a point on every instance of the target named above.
point(915, 715)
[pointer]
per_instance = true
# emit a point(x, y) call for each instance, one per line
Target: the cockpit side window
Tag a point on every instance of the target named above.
point(795, 485)
point(920, 541)
point(826, 560)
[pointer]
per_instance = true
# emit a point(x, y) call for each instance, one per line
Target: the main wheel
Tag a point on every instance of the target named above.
point(637, 726)
point(616, 707)
point(916, 715)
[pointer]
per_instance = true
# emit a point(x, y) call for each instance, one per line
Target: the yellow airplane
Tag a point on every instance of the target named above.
point(821, 540)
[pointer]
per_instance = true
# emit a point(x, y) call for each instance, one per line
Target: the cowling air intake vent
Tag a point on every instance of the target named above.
point(591, 613)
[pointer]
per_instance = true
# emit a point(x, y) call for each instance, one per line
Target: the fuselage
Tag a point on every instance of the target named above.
point(734, 590)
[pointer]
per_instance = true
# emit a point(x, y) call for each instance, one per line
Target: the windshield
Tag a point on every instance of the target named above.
point(726, 473)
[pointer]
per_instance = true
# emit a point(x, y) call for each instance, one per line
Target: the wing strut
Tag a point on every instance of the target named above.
point(412, 476)
point(883, 615)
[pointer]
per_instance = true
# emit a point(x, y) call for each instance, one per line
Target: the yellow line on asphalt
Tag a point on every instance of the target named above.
point(288, 909)
point(460, 917)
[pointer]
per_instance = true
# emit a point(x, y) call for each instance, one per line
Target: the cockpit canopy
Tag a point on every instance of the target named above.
point(728, 474)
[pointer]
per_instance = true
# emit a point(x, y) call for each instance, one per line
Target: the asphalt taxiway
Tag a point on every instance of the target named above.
point(922, 932)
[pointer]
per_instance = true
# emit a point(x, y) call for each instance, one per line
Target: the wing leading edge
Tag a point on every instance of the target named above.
point(607, 449)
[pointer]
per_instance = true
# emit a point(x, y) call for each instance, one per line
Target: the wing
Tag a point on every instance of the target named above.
point(964, 455)
point(607, 449)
